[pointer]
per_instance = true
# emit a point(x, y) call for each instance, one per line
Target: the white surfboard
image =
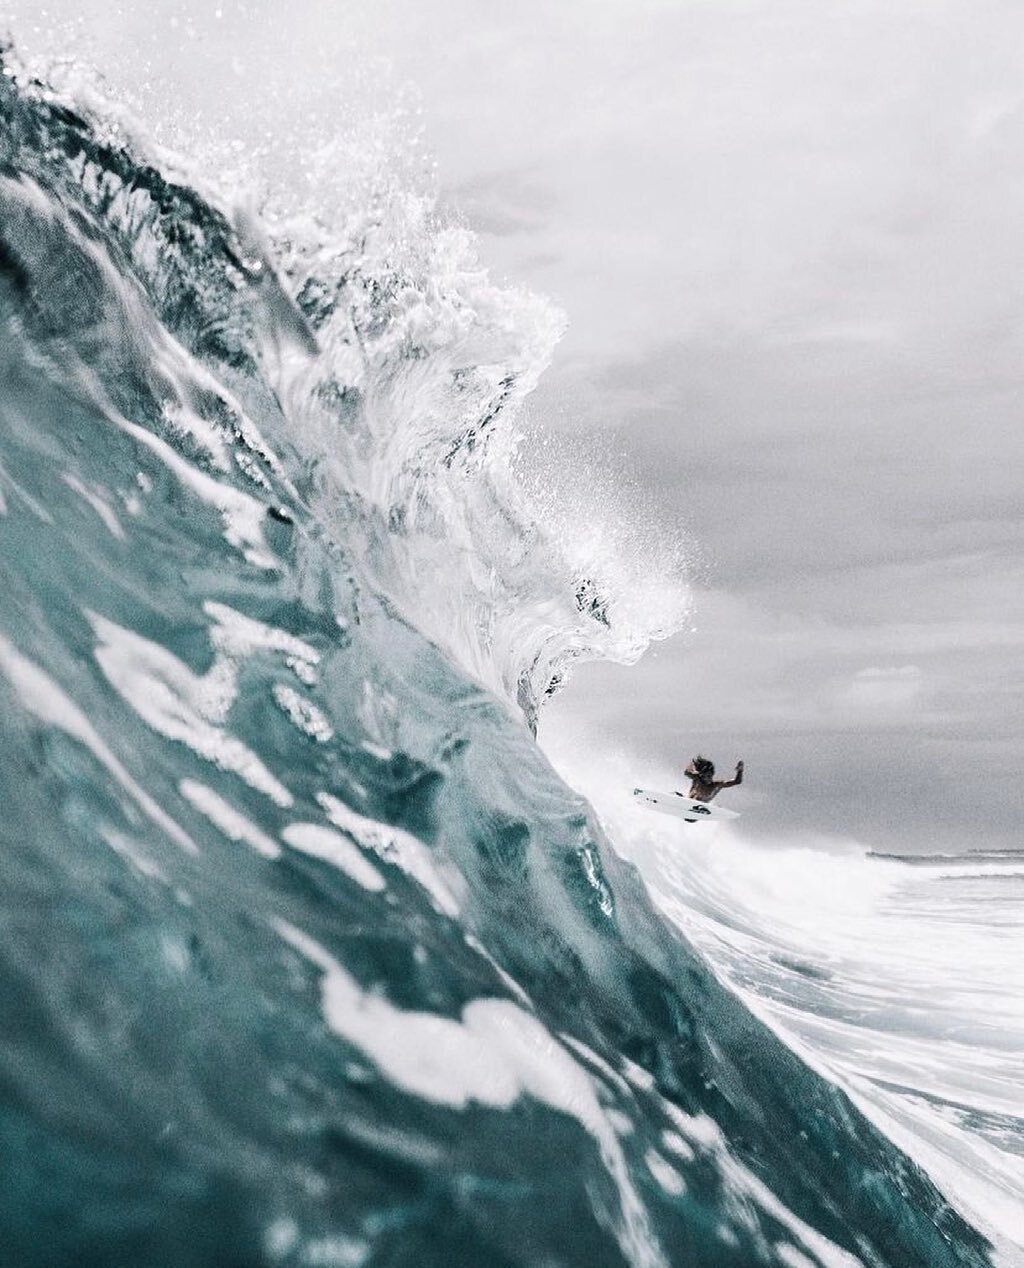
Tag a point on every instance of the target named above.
point(681, 806)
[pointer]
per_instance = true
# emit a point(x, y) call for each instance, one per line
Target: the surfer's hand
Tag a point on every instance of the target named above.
point(739, 768)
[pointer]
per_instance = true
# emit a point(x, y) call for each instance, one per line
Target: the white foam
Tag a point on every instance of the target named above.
point(335, 1251)
point(745, 1185)
point(211, 438)
point(675, 1144)
point(745, 1194)
point(790, 1257)
point(665, 1174)
point(217, 440)
point(590, 1058)
point(179, 704)
point(42, 697)
point(242, 515)
point(234, 825)
point(496, 1053)
point(303, 713)
point(239, 636)
point(249, 467)
point(332, 847)
point(133, 855)
point(302, 669)
point(394, 845)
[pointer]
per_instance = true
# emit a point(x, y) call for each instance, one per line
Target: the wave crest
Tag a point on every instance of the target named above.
point(399, 371)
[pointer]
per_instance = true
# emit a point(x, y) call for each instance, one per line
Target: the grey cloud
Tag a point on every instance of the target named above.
point(757, 445)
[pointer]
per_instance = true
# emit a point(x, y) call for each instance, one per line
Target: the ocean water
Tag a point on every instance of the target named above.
point(894, 975)
point(308, 954)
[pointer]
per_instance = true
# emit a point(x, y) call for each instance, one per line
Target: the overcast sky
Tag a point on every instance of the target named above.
point(789, 239)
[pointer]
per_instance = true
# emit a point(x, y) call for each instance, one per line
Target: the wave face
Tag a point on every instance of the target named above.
point(308, 956)
point(890, 973)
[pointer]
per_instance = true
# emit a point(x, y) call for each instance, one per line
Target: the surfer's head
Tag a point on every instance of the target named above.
point(702, 767)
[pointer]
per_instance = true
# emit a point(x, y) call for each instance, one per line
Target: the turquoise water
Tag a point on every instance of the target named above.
point(307, 954)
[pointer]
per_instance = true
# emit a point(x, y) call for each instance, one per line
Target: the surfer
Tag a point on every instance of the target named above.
point(704, 786)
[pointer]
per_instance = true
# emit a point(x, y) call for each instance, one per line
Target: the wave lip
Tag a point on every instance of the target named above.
point(401, 370)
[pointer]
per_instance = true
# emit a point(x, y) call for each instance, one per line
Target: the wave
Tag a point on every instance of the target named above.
point(399, 371)
point(310, 957)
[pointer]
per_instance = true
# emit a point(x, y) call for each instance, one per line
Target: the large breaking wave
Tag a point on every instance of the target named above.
point(308, 955)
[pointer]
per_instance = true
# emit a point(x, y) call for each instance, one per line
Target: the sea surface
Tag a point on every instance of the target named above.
point(308, 954)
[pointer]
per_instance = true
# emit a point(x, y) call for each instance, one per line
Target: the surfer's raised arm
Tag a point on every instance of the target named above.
point(731, 783)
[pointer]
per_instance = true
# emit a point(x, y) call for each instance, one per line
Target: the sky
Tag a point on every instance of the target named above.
point(789, 241)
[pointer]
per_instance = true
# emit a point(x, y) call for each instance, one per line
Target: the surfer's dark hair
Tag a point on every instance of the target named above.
point(703, 766)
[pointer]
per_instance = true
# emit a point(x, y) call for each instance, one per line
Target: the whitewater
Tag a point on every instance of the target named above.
point(886, 972)
point(309, 955)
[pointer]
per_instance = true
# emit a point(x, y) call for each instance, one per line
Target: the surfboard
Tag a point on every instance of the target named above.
point(681, 806)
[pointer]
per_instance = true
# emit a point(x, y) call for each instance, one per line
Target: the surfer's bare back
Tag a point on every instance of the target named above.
point(704, 785)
